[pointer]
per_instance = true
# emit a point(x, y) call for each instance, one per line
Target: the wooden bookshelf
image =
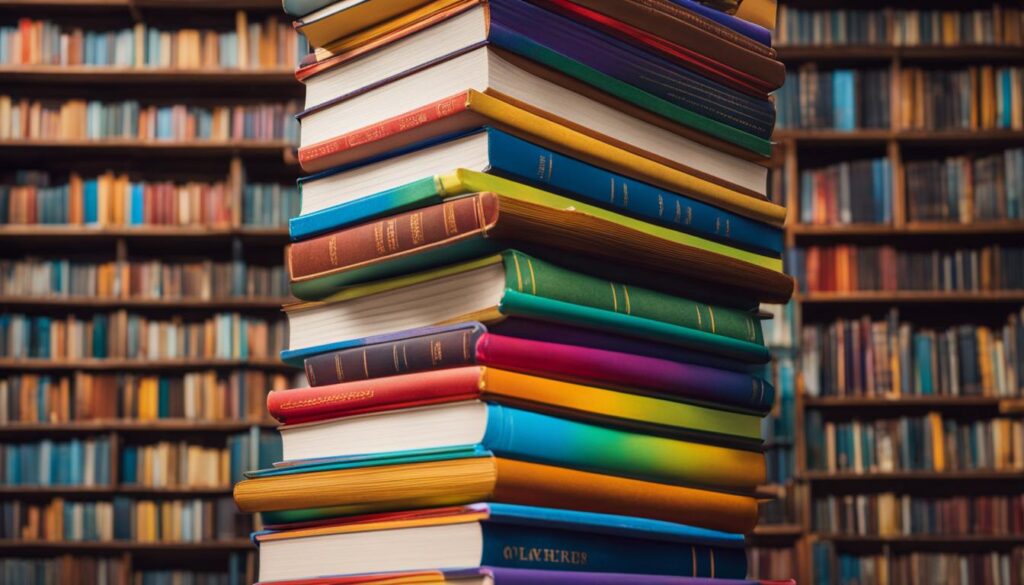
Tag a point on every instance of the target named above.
point(234, 162)
point(799, 149)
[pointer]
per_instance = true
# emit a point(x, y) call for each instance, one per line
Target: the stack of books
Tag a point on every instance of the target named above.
point(530, 256)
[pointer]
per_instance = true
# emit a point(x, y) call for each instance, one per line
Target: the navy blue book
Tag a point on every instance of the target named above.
point(503, 535)
point(345, 196)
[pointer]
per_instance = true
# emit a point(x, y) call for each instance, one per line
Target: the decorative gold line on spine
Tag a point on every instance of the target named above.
point(711, 312)
point(700, 322)
point(465, 345)
point(311, 374)
point(615, 298)
point(612, 198)
point(625, 292)
point(405, 355)
point(366, 367)
point(519, 274)
point(394, 354)
point(338, 369)
point(533, 277)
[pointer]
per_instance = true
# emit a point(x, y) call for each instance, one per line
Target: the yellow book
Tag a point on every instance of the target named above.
point(362, 22)
point(938, 441)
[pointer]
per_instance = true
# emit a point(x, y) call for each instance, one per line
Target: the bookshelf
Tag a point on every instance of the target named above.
point(235, 383)
point(816, 553)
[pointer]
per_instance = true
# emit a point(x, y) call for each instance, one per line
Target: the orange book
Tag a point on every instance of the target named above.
point(339, 490)
point(938, 442)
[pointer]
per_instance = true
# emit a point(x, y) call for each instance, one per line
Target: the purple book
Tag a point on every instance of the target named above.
point(747, 29)
point(502, 576)
point(547, 350)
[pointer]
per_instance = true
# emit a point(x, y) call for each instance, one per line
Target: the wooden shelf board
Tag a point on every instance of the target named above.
point(794, 53)
point(107, 303)
point(778, 530)
point(910, 229)
point(151, 147)
point(907, 297)
point(923, 538)
point(90, 74)
point(919, 137)
point(134, 426)
point(43, 364)
point(145, 231)
point(130, 546)
point(136, 490)
point(903, 402)
point(844, 476)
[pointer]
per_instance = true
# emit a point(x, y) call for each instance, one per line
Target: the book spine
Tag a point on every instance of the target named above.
point(529, 547)
point(310, 155)
point(531, 163)
point(394, 236)
point(530, 436)
point(532, 276)
point(374, 395)
point(429, 352)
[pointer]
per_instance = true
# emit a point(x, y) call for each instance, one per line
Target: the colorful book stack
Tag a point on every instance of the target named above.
point(530, 256)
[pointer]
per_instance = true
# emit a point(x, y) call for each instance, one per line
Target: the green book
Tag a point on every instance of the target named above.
point(514, 284)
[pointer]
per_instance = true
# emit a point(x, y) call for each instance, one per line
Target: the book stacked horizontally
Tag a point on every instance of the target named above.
point(531, 253)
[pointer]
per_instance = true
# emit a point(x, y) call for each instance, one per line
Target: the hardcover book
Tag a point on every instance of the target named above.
point(486, 221)
point(503, 535)
point(406, 481)
point(514, 284)
point(421, 177)
point(466, 344)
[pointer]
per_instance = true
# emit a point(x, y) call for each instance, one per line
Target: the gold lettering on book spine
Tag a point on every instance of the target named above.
point(332, 249)
point(451, 227)
point(378, 238)
point(328, 399)
point(436, 353)
point(338, 369)
point(392, 233)
point(532, 554)
point(416, 228)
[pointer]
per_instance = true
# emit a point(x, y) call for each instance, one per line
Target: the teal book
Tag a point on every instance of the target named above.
point(513, 284)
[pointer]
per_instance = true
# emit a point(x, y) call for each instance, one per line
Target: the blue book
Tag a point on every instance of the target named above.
point(138, 204)
point(844, 100)
point(510, 536)
point(91, 200)
point(516, 159)
point(129, 464)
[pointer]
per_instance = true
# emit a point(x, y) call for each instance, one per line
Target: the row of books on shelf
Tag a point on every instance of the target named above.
point(74, 462)
point(914, 443)
point(112, 199)
point(120, 334)
point(141, 279)
point(251, 45)
point(972, 98)
point(861, 357)
point(112, 570)
point(151, 279)
point(24, 118)
point(998, 24)
point(203, 396)
point(88, 461)
point(997, 567)
point(986, 97)
point(838, 99)
point(780, 462)
point(850, 267)
point(858, 191)
point(123, 519)
point(891, 514)
point(937, 190)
